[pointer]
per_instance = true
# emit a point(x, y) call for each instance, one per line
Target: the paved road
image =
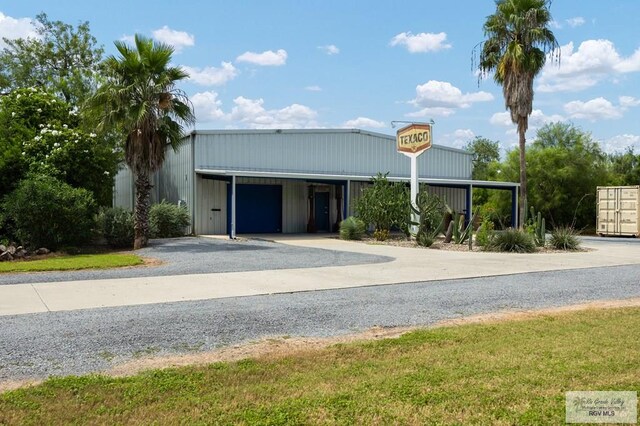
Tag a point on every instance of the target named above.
point(60, 343)
point(201, 255)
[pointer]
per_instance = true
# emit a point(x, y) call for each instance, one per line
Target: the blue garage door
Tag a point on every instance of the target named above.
point(258, 209)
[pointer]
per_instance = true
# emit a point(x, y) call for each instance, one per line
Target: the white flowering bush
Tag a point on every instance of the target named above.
point(42, 135)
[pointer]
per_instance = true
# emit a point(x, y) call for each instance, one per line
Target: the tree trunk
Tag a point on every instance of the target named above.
point(522, 128)
point(141, 212)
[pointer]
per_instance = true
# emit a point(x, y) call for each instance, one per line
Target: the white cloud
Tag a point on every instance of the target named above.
point(128, 38)
point(313, 88)
point(212, 76)
point(575, 22)
point(595, 109)
point(594, 61)
point(178, 39)
point(207, 106)
point(441, 99)
point(13, 28)
point(432, 112)
point(537, 119)
point(628, 101)
point(620, 143)
point(251, 113)
point(423, 42)
point(363, 122)
point(330, 49)
point(458, 139)
point(267, 58)
point(555, 25)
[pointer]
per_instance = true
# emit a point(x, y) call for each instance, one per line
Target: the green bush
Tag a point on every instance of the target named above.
point(45, 212)
point(564, 238)
point(384, 205)
point(168, 220)
point(512, 240)
point(485, 232)
point(352, 228)
point(116, 226)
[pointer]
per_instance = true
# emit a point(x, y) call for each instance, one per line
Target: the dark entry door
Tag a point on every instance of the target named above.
point(321, 211)
point(258, 209)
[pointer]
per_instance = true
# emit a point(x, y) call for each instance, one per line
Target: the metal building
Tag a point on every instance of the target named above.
point(294, 181)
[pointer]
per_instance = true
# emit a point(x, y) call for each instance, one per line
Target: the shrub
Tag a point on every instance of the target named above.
point(381, 234)
point(116, 226)
point(485, 232)
point(512, 240)
point(352, 228)
point(384, 205)
point(168, 220)
point(45, 212)
point(564, 238)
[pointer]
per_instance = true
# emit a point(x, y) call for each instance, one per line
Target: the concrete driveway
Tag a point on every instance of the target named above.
point(408, 265)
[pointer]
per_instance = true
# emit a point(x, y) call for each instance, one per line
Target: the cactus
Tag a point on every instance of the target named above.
point(536, 226)
point(461, 233)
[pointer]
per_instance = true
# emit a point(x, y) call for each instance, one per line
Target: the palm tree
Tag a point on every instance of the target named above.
point(139, 100)
point(518, 40)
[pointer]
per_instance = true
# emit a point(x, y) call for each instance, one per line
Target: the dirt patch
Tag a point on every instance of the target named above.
point(278, 347)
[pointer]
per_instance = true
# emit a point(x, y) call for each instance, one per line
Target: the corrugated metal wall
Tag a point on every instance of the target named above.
point(211, 216)
point(174, 181)
point(212, 195)
point(337, 152)
point(123, 190)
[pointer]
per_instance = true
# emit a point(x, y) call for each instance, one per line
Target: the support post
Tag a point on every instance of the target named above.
point(233, 207)
point(514, 207)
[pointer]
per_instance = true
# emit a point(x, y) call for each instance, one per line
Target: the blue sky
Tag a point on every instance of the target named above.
point(330, 63)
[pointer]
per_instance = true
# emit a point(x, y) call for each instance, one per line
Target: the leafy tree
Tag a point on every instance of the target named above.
point(485, 152)
point(139, 99)
point(40, 133)
point(625, 168)
point(565, 166)
point(62, 59)
point(518, 39)
point(384, 205)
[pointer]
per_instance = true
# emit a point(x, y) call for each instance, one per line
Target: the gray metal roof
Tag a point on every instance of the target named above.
point(322, 151)
point(310, 131)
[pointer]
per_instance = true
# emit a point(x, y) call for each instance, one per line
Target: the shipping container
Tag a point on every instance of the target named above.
point(618, 210)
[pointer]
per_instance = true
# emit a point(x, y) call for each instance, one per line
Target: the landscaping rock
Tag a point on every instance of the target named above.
point(5, 256)
point(11, 249)
point(42, 251)
point(20, 253)
point(3, 248)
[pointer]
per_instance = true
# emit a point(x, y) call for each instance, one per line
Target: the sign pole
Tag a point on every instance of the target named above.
point(412, 141)
point(414, 192)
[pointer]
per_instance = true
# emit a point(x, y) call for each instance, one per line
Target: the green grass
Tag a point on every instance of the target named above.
point(505, 373)
point(66, 263)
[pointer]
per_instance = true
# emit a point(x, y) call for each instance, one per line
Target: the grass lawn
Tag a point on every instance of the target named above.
point(513, 372)
point(66, 263)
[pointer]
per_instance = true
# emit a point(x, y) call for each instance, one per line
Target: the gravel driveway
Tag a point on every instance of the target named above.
point(78, 342)
point(201, 255)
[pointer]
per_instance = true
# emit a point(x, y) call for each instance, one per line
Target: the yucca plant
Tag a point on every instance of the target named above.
point(564, 238)
point(512, 240)
point(352, 228)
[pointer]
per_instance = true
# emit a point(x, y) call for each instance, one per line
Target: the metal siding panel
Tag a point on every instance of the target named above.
point(123, 192)
point(294, 209)
point(324, 153)
point(175, 178)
